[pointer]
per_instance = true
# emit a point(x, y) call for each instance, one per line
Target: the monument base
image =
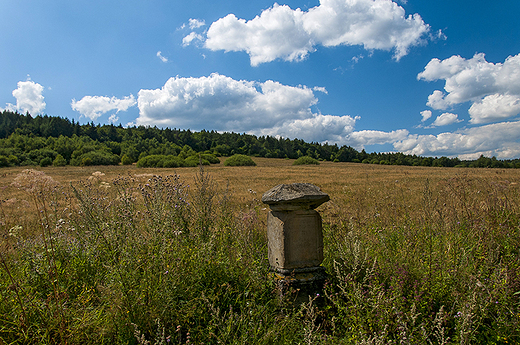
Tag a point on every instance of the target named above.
point(299, 284)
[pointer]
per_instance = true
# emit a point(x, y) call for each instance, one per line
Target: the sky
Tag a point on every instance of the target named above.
point(432, 78)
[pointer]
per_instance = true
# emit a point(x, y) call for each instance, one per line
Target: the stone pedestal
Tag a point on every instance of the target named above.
point(295, 235)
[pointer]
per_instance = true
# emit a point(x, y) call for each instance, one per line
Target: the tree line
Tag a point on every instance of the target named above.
point(51, 140)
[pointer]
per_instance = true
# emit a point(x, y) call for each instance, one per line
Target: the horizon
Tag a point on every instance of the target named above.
point(431, 79)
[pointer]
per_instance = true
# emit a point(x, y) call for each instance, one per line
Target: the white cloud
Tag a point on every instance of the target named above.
point(196, 23)
point(318, 128)
point(95, 106)
point(160, 56)
point(281, 32)
point(113, 118)
point(221, 103)
point(320, 89)
point(436, 100)
point(360, 139)
point(495, 107)
point(426, 114)
point(445, 119)
point(29, 98)
point(499, 139)
point(193, 36)
point(493, 89)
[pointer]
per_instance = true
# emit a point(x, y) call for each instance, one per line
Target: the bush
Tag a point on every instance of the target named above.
point(151, 161)
point(59, 161)
point(239, 160)
point(126, 160)
point(173, 162)
point(45, 162)
point(306, 160)
point(13, 160)
point(193, 161)
point(96, 158)
point(210, 158)
point(3, 161)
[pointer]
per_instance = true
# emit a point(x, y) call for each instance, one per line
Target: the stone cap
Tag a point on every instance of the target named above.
point(295, 196)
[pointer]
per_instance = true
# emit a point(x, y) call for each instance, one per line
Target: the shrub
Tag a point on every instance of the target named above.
point(13, 160)
point(306, 160)
point(210, 158)
point(239, 160)
point(45, 162)
point(3, 161)
point(193, 161)
point(173, 162)
point(126, 160)
point(59, 161)
point(96, 158)
point(151, 161)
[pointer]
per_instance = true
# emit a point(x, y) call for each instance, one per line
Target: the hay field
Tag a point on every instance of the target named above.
point(414, 255)
point(333, 178)
point(351, 186)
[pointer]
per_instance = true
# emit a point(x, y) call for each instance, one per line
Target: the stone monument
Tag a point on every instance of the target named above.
point(294, 232)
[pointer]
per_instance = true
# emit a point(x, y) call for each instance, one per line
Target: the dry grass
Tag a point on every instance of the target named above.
point(414, 255)
point(346, 183)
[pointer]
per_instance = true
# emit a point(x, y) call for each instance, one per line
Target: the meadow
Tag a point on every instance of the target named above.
point(127, 255)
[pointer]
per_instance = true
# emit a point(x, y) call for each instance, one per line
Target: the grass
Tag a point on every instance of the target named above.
point(128, 255)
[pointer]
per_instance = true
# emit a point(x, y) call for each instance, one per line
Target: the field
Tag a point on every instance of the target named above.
point(127, 255)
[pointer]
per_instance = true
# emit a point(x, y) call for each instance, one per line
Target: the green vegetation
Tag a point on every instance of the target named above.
point(27, 141)
point(306, 160)
point(239, 160)
point(171, 161)
point(147, 258)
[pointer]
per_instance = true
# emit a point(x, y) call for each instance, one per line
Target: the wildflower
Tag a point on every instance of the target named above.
point(98, 174)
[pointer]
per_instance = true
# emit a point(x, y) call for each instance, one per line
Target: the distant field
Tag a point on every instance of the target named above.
point(344, 182)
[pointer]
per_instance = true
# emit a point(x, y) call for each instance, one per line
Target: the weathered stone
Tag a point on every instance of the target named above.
point(296, 196)
point(295, 239)
point(295, 236)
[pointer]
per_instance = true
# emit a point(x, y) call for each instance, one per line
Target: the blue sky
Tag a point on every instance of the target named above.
point(433, 78)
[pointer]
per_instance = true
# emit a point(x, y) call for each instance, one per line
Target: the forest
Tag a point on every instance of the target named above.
point(52, 140)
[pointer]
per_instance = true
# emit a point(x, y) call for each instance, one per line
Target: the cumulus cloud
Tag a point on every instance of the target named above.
point(495, 107)
point(493, 89)
point(360, 139)
point(445, 119)
point(436, 100)
point(498, 139)
point(95, 106)
point(318, 128)
point(426, 114)
point(29, 98)
point(221, 103)
point(281, 32)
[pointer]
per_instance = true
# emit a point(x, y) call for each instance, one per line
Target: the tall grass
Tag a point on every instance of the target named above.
point(154, 259)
